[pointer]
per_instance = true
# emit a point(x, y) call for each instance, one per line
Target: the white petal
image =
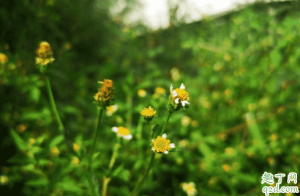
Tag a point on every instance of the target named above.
point(152, 140)
point(127, 137)
point(174, 93)
point(172, 145)
point(184, 102)
point(182, 86)
point(115, 129)
point(153, 148)
point(166, 152)
point(164, 135)
point(176, 100)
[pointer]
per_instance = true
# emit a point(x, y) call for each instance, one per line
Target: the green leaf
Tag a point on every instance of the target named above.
point(57, 140)
point(37, 182)
point(275, 57)
point(35, 94)
point(21, 158)
point(70, 186)
point(18, 141)
point(95, 155)
point(117, 170)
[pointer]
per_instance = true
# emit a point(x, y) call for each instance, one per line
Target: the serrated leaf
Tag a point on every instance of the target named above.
point(57, 140)
point(20, 143)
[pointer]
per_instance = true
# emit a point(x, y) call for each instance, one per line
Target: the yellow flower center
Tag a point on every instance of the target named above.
point(3, 58)
point(123, 131)
point(181, 94)
point(161, 144)
point(148, 112)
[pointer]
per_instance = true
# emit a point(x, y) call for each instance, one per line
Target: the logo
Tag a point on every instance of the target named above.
point(269, 179)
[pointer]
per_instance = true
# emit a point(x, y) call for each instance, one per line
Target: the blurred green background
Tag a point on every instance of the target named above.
point(241, 70)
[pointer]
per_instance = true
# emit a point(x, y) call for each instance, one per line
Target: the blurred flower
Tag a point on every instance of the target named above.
point(179, 161)
point(105, 94)
point(75, 161)
point(175, 74)
point(212, 181)
point(21, 128)
point(44, 54)
point(228, 92)
point(229, 151)
point(271, 161)
point(76, 147)
point(111, 109)
point(227, 57)
point(226, 168)
point(142, 93)
point(251, 106)
point(183, 143)
point(195, 123)
point(67, 46)
point(3, 58)
point(189, 188)
point(160, 90)
point(31, 141)
point(180, 95)
point(281, 109)
point(185, 120)
point(54, 151)
point(274, 137)
point(148, 113)
point(218, 66)
point(264, 102)
point(222, 136)
point(216, 94)
point(3, 179)
point(205, 103)
point(122, 132)
point(161, 144)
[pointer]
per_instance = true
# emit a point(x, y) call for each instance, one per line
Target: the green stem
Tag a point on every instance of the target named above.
point(164, 127)
point(149, 130)
point(136, 190)
point(92, 186)
point(95, 137)
point(52, 102)
point(106, 180)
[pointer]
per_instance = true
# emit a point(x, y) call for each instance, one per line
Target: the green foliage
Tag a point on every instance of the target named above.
point(240, 70)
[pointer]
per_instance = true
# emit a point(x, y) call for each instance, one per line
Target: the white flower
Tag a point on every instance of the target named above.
point(180, 95)
point(122, 132)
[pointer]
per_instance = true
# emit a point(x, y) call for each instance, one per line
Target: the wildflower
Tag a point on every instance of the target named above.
point(161, 144)
point(3, 58)
point(111, 109)
point(3, 179)
point(160, 90)
point(142, 93)
point(76, 147)
point(183, 143)
point(105, 93)
point(54, 151)
point(31, 141)
point(179, 97)
point(21, 128)
point(195, 123)
point(122, 132)
point(175, 74)
point(148, 113)
point(75, 161)
point(185, 121)
point(189, 188)
point(44, 54)
point(226, 168)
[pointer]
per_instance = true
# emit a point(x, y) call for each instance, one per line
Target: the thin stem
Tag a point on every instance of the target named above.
point(92, 186)
point(164, 127)
point(52, 102)
point(95, 137)
point(136, 190)
point(149, 130)
point(106, 180)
